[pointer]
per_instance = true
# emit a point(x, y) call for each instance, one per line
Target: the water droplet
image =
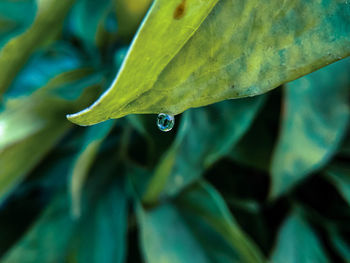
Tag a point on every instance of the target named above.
point(165, 122)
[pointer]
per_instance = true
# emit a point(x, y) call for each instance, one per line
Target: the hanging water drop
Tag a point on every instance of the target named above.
point(165, 122)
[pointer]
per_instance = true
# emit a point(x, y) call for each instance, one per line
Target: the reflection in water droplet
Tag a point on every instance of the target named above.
point(165, 122)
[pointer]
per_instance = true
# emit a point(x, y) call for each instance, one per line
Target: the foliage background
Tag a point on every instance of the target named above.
point(248, 180)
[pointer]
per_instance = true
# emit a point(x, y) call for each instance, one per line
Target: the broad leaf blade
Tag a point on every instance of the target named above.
point(102, 230)
point(160, 22)
point(166, 238)
point(99, 236)
point(345, 150)
point(340, 244)
point(315, 119)
point(86, 17)
point(195, 228)
point(298, 243)
point(20, 153)
point(92, 142)
point(17, 160)
point(256, 147)
point(242, 48)
point(198, 144)
point(13, 22)
point(43, 66)
point(47, 240)
point(204, 200)
point(17, 51)
point(339, 176)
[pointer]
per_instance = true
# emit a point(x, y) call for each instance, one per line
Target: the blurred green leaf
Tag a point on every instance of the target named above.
point(13, 22)
point(315, 117)
point(101, 234)
point(345, 150)
point(17, 160)
point(87, 15)
point(341, 246)
point(205, 201)
point(44, 65)
point(197, 53)
point(93, 139)
point(297, 243)
point(339, 176)
point(42, 115)
point(129, 16)
point(48, 239)
point(26, 203)
point(205, 135)
point(197, 227)
point(256, 147)
point(17, 51)
point(187, 53)
point(146, 127)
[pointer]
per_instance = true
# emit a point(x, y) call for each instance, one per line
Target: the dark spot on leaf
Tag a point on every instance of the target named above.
point(180, 10)
point(233, 86)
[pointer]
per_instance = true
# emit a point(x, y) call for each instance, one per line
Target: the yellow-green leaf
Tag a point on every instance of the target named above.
point(164, 34)
point(41, 115)
point(190, 53)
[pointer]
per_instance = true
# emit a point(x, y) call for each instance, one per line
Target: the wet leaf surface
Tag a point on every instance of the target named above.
point(196, 53)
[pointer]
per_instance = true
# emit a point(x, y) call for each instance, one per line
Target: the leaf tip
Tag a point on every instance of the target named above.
point(89, 116)
point(84, 118)
point(75, 118)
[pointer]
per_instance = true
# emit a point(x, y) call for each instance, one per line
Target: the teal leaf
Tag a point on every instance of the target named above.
point(101, 231)
point(339, 176)
point(315, 118)
point(340, 245)
point(99, 235)
point(197, 227)
point(298, 243)
point(204, 136)
point(36, 122)
point(87, 16)
point(345, 150)
point(42, 66)
point(256, 146)
point(93, 139)
point(18, 50)
point(48, 238)
point(12, 21)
